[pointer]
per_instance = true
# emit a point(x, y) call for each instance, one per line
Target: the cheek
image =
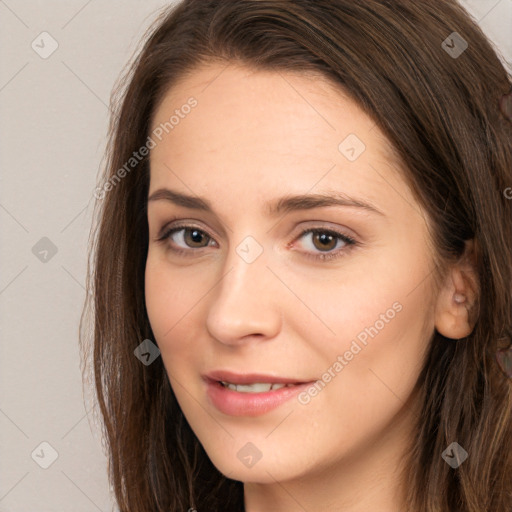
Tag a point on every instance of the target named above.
point(166, 301)
point(369, 369)
point(158, 297)
point(383, 328)
point(174, 298)
point(169, 294)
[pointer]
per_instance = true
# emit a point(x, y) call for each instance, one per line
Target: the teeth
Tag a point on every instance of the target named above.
point(254, 388)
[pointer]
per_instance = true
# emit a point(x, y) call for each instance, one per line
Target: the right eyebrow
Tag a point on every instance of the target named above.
point(273, 208)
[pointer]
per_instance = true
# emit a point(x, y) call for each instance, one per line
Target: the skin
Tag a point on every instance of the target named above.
point(256, 136)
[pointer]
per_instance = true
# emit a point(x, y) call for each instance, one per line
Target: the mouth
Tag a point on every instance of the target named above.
point(257, 387)
point(250, 394)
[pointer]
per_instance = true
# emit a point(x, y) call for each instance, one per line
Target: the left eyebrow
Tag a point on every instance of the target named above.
point(273, 208)
point(309, 201)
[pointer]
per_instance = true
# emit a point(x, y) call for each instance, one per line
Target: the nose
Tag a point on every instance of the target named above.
point(246, 303)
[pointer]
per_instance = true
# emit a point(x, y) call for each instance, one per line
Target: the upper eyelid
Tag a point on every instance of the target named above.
point(327, 225)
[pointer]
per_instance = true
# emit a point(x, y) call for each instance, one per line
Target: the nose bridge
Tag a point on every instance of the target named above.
point(247, 263)
point(246, 298)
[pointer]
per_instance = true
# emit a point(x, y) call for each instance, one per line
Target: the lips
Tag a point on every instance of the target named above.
point(257, 387)
point(251, 394)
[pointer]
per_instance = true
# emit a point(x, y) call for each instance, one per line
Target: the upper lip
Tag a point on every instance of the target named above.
point(250, 378)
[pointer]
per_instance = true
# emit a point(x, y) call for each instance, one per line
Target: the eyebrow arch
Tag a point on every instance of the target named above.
point(273, 208)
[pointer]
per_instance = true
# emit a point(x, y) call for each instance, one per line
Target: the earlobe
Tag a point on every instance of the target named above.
point(455, 314)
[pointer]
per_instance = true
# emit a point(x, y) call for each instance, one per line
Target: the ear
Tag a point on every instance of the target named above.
point(457, 302)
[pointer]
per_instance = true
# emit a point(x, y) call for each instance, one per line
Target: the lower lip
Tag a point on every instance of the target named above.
point(235, 403)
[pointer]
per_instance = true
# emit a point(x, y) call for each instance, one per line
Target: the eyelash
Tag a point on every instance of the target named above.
point(349, 241)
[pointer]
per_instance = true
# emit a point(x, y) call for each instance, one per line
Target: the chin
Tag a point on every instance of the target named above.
point(266, 470)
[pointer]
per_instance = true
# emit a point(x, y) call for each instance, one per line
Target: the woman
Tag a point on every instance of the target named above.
point(302, 270)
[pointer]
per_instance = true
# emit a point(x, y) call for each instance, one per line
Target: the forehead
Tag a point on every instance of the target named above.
point(268, 128)
point(264, 102)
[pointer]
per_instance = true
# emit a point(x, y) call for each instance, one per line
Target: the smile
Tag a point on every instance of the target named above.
point(235, 394)
point(261, 387)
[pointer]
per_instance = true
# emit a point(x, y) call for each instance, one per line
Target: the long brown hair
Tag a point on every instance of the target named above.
point(441, 112)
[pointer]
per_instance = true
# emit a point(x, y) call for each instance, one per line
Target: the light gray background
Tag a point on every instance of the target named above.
point(53, 119)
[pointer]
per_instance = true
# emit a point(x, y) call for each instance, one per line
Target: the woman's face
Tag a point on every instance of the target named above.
point(239, 293)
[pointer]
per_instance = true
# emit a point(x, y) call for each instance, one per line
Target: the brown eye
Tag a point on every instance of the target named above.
point(324, 241)
point(186, 237)
point(194, 237)
point(326, 244)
